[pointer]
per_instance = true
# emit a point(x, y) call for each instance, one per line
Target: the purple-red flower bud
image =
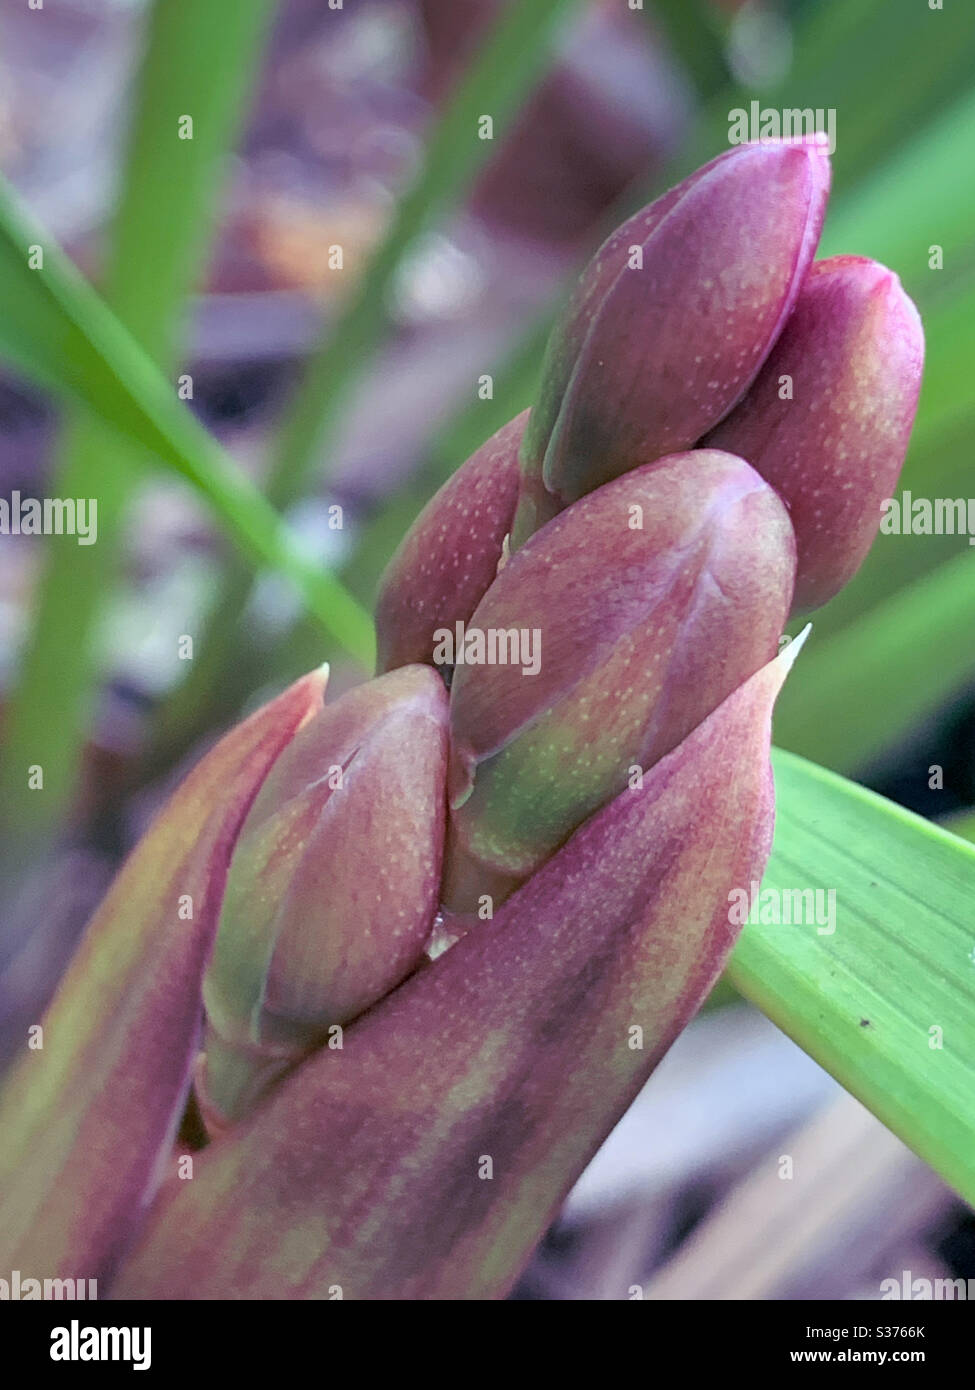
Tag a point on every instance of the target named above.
point(828, 419)
point(646, 604)
point(333, 884)
point(671, 322)
point(450, 554)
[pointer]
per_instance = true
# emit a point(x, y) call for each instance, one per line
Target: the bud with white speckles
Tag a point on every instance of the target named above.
point(655, 597)
point(828, 419)
point(672, 321)
point(332, 888)
point(450, 554)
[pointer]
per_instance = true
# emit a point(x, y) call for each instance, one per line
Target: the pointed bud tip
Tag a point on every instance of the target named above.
point(809, 150)
point(872, 280)
point(787, 656)
point(312, 687)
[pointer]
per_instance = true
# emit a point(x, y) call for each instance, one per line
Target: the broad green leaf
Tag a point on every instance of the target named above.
point(199, 62)
point(886, 1002)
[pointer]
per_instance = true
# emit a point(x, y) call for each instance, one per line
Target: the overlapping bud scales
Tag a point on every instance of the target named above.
point(604, 752)
point(89, 1118)
point(524, 1044)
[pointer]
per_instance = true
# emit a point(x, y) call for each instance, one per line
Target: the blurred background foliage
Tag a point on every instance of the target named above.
point(326, 273)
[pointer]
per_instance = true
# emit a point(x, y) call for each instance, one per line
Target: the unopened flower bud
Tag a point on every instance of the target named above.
point(827, 420)
point(648, 602)
point(450, 554)
point(523, 1044)
point(332, 888)
point(671, 322)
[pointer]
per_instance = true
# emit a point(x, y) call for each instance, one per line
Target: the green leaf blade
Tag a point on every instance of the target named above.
point(59, 329)
point(863, 1000)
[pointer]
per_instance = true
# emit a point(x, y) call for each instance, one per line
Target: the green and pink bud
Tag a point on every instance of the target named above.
point(333, 885)
point(511, 1057)
point(671, 322)
point(828, 419)
point(649, 602)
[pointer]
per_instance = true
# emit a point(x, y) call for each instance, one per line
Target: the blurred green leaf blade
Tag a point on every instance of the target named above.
point(867, 685)
point(59, 331)
point(500, 78)
point(199, 61)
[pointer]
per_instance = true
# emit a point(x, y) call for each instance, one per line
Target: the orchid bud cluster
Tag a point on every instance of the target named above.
point(433, 916)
